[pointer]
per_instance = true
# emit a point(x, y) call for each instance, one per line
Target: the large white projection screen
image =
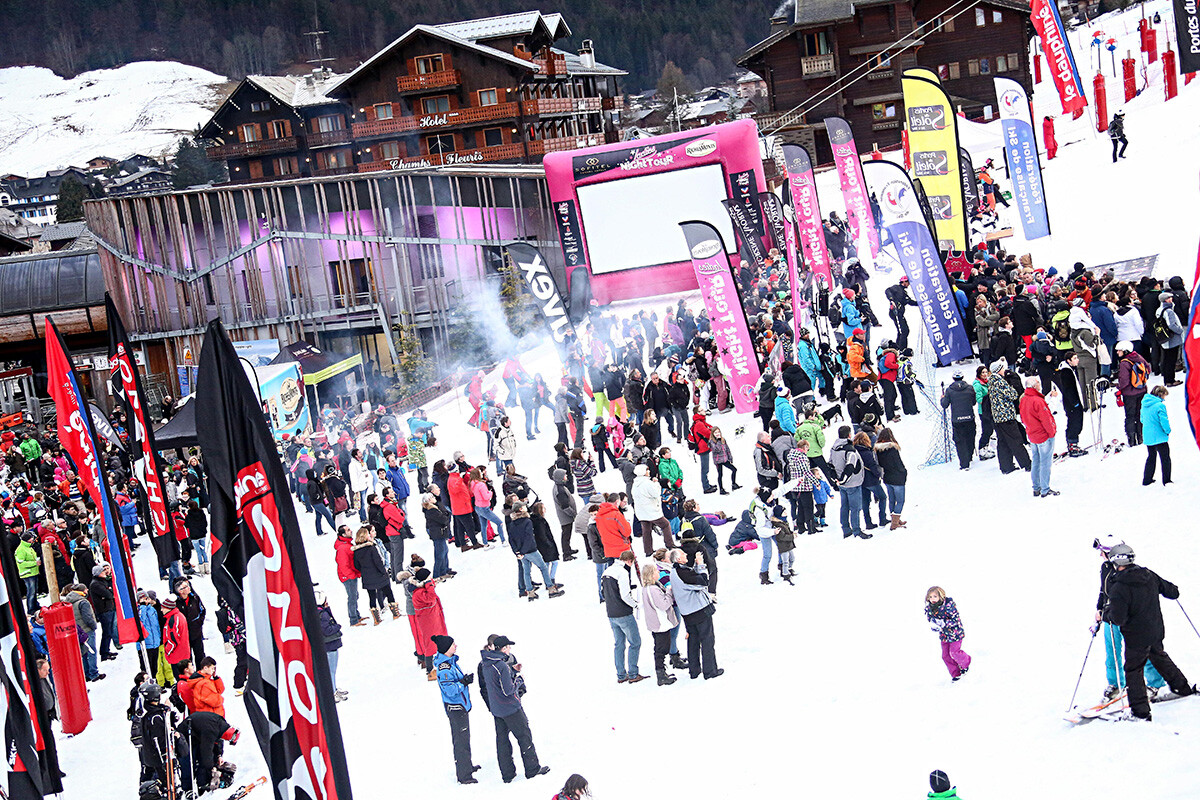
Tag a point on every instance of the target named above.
point(634, 222)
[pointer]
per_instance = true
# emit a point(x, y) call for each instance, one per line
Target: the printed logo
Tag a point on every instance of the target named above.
point(926, 118)
point(930, 162)
point(839, 133)
point(706, 249)
point(701, 148)
point(896, 200)
point(939, 206)
point(1010, 103)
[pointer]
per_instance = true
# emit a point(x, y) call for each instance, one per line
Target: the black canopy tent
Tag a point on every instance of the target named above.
point(180, 431)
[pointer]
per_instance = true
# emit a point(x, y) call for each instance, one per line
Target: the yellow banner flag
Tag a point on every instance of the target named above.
point(933, 140)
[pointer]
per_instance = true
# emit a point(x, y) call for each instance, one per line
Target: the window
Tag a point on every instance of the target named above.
point(980, 18)
point(280, 129)
point(487, 97)
point(973, 66)
point(428, 64)
point(815, 44)
point(882, 111)
point(383, 111)
point(880, 62)
point(943, 71)
point(948, 25)
point(435, 105)
point(954, 71)
point(493, 137)
point(1014, 63)
point(1001, 64)
point(985, 66)
point(255, 169)
point(286, 166)
point(333, 122)
point(442, 143)
point(333, 159)
point(262, 105)
point(249, 132)
point(388, 150)
point(996, 17)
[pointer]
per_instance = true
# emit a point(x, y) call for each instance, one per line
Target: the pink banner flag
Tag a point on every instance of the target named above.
point(730, 330)
point(849, 167)
point(808, 210)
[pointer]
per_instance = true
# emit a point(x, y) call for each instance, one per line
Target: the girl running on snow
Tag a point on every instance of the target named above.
point(943, 618)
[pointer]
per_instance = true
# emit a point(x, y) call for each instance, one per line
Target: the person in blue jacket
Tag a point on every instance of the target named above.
point(1156, 429)
point(809, 360)
point(784, 411)
point(151, 620)
point(851, 317)
point(1102, 316)
point(503, 699)
point(456, 697)
point(395, 476)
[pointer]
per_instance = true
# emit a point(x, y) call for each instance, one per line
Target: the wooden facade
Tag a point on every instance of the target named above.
point(803, 61)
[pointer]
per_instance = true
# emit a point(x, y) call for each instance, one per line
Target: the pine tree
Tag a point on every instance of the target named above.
point(413, 368)
point(193, 166)
point(71, 194)
point(514, 299)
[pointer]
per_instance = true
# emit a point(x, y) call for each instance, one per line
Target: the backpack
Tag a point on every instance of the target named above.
point(1162, 332)
point(835, 314)
point(1137, 374)
point(1062, 330)
point(854, 464)
point(904, 372)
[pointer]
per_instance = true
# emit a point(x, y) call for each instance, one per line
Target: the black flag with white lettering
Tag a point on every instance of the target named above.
point(539, 280)
point(260, 569)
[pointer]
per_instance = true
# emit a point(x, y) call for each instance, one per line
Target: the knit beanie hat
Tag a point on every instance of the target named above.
point(442, 642)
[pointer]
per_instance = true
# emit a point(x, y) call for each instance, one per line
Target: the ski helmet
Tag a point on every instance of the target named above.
point(939, 781)
point(1121, 555)
point(150, 691)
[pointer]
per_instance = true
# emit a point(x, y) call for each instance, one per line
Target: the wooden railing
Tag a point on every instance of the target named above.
point(259, 148)
point(613, 103)
point(539, 147)
point(320, 173)
point(554, 65)
point(560, 105)
point(328, 138)
point(446, 119)
point(816, 66)
point(429, 80)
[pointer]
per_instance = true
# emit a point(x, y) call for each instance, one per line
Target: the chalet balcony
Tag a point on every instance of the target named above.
point(328, 138)
point(539, 147)
point(429, 80)
point(545, 106)
point(249, 149)
point(504, 152)
point(473, 115)
point(323, 173)
point(771, 119)
point(613, 103)
point(554, 65)
point(817, 66)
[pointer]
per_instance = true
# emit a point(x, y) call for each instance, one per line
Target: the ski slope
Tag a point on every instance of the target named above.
point(833, 687)
point(48, 122)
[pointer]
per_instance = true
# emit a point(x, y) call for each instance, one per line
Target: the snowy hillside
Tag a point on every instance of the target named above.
point(48, 122)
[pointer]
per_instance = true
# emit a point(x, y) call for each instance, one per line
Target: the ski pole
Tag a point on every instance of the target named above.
point(1079, 680)
point(1185, 614)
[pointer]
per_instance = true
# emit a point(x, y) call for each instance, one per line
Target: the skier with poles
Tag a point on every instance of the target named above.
point(1133, 606)
point(1112, 637)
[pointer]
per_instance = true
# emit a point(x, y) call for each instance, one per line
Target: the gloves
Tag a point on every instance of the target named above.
point(468, 679)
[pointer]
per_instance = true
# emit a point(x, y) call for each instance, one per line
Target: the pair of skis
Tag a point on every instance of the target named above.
point(1115, 708)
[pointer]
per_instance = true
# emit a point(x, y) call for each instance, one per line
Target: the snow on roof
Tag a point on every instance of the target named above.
point(141, 173)
point(519, 24)
point(439, 33)
point(555, 23)
point(575, 65)
point(296, 90)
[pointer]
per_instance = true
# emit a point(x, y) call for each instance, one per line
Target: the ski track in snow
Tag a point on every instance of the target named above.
point(835, 685)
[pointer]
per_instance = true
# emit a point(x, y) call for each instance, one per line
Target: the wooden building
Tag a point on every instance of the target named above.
point(804, 57)
point(274, 127)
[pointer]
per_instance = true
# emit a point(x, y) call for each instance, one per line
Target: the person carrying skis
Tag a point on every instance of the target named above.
point(1069, 386)
point(1133, 606)
point(1116, 132)
point(943, 618)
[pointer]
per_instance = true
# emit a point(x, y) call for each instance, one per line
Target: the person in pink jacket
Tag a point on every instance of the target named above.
point(482, 494)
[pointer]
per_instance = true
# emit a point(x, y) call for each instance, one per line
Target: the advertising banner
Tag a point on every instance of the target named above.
point(726, 315)
point(808, 211)
point(746, 230)
point(850, 173)
point(1059, 58)
point(1187, 30)
point(541, 284)
point(1020, 146)
point(933, 136)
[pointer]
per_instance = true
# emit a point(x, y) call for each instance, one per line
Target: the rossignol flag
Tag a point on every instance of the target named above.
point(541, 284)
point(32, 755)
point(730, 330)
point(803, 186)
point(917, 253)
point(772, 211)
point(933, 136)
point(1187, 30)
point(1021, 151)
point(1191, 359)
point(1059, 58)
point(259, 567)
point(79, 440)
point(143, 453)
point(970, 185)
point(747, 231)
point(850, 174)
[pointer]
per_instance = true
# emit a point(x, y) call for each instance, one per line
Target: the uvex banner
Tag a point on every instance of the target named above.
point(1059, 58)
point(970, 185)
point(259, 567)
point(77, 438)
point(772, 211)
point(916, 251)
point(1020, 147)
point(1187, 29)
point(933, 136)
point(808, 210)
point(1191, 360)
point(541, 284)
point(849, 167)
point(726, 315)
point(743, 223)
point(127, 385)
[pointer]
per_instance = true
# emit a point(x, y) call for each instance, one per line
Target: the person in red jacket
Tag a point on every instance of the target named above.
point(616, 535)
point(343, 550)
point(1048, 137)
point(462, 506)
point(698, 440)
point(177, 646)
point(889, 370)
point(428, 618)
point(395, 530)
point(1040, 428)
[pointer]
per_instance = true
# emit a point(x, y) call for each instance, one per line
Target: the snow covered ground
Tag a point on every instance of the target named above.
point(833, 687)
point(48, 122)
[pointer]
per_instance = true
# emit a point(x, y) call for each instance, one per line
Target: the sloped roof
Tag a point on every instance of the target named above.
point(557, 25)
point(437, 33)
point(813, 12)
point(141, 173)
point(575, 65)
point(62, 231)
point(294, 90)
point(520, 24)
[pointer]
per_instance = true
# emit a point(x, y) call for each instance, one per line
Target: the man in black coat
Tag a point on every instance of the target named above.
point(798, 384)
point(959, 397)
point(206, 733)
point(897, 297)
point(1133, 606)
point(159, 742)
point(193, 611)
point(101, 594)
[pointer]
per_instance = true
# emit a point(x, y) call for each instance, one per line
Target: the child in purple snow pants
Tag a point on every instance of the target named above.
point(943, 618)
